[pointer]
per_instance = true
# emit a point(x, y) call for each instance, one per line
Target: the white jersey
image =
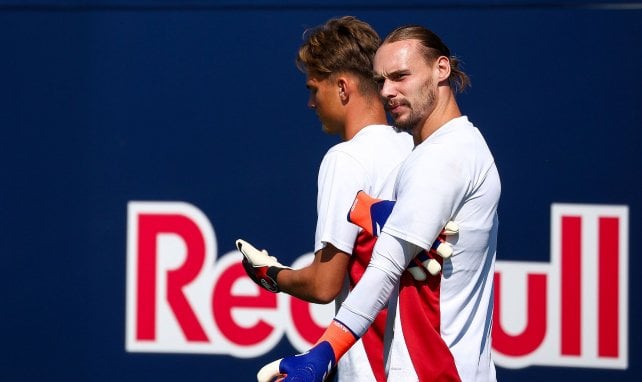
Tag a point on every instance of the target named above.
point(449, 176)
point(365, 162)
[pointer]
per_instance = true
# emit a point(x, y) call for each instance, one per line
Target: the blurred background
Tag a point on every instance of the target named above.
point(105, 103)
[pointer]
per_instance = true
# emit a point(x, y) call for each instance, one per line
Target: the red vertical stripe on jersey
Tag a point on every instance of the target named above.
point(571, 308)
point(372, 340)
point(608, 291)
point(420, 312)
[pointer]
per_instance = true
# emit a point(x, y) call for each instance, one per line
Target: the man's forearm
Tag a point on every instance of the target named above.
point(302, 284)
point(321, 281)
point(389, 259)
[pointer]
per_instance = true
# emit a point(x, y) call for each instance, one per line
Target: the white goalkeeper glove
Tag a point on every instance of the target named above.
point(260, 266)
point(431, 260)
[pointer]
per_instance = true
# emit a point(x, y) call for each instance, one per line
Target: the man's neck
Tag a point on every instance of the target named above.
point(359, 117)
point(442, 114)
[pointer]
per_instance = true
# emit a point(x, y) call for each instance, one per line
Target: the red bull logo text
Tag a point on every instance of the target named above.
point(182, 298)
point(572, 311)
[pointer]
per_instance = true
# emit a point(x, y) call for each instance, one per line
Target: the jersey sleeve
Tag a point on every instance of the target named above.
point(435, 180)
point(341, 176)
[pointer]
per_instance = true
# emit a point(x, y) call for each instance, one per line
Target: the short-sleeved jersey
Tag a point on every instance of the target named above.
point(370, 162)
point(365, 162)
point(451, 176)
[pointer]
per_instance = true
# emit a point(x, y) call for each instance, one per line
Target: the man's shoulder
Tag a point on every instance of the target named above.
point(372, 145)
point(375, 136)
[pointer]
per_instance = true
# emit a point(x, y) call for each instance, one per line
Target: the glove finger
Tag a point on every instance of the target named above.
point(416, 271)
point(242, 244)
point(254, 256)
point(442, 249)
point(451, 228)
point(270, 371)
point(432, 266)
point(247, 249)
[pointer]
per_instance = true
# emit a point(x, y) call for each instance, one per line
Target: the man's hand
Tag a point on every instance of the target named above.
point(316, 364)
point(430, 260)
point(371, 214)
point(260, 266)
point(312, 366)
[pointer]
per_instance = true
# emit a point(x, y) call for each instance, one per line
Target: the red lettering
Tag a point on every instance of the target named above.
point(303, 321)
point(223, 301)
point(608, 291)
point(150, 226)
point(146, 288)
point(533, 334)
point(571, 285)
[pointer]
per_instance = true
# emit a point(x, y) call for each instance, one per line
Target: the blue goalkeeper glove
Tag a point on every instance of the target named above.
point(316, 364)
point(311, 366)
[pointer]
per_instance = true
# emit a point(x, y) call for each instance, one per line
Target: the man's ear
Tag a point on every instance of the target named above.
point(443, 66)
point(343, 86)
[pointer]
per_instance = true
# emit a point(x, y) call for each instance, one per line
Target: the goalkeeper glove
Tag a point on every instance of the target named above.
point(371, 214)
point(315, 364)
point(260, 266)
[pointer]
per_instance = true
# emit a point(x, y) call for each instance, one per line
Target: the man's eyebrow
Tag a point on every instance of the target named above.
point(391, 75)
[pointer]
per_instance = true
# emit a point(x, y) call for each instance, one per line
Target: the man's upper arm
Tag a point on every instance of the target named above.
point(437, 184)
point(341, 176)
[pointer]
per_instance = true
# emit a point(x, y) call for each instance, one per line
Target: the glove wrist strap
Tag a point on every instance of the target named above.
point(340, 338)
point(272, 272)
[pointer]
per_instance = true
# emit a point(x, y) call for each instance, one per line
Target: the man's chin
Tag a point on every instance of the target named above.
point(329, 130)
point(402, 126)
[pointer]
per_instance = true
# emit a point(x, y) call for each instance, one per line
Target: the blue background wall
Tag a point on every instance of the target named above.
point(106, 102)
